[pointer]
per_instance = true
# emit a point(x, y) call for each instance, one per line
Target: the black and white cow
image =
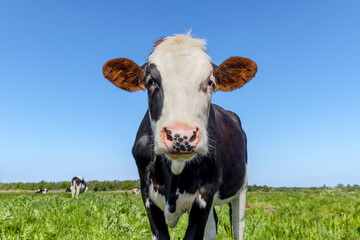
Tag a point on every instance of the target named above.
point(135, 191)
point(78, 185)
point(191, 155)
point(43, 191)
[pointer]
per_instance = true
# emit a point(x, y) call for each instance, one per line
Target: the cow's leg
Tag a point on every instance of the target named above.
point(238, 205)
point(77, 190)
point(211, 225)
point(197, 219)
point(72, 189)
point(159, 229)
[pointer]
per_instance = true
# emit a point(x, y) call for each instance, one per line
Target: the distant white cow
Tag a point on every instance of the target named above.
point(135, 191)
point(43, 191)
point(78, 185)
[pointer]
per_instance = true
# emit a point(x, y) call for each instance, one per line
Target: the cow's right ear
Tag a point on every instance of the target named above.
point(125, 74)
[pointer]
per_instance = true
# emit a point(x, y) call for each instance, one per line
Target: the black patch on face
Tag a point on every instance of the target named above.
point(153, 83)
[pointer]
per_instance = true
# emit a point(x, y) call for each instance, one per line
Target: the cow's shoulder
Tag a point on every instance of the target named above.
point(230, 138)
point(222, 115)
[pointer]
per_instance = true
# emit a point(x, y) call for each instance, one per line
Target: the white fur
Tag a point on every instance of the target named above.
point(171, 219)
point(144, 140)
point(238, 205)
point(177, 167)
point(218, 202)
point(200, 200)
point(147, 203)
point(184, 203)
point(185, 68)
point(210, 228)
point(156, 197)
point(80, 177)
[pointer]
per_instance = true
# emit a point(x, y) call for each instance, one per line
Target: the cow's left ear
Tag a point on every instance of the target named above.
point(233, 73)
point(125, 74)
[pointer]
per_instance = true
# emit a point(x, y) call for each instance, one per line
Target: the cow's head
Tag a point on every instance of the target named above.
point(180, 78)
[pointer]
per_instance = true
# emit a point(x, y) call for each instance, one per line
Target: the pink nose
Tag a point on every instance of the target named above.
point(180, 138)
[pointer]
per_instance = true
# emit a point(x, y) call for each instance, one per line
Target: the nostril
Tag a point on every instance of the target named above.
point(168, 134)
point(193, 137)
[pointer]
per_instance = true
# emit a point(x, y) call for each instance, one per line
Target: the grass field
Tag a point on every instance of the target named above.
point(328, 214)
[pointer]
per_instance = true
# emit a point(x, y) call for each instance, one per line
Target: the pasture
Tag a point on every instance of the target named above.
point(329, 213)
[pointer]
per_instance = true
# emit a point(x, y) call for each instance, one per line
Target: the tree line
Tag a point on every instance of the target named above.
point(339, 187)
point(92, 185)
point(131, 184)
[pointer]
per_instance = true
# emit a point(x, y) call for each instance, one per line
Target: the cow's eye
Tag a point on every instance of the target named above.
point(149, 82)
point(211, 83)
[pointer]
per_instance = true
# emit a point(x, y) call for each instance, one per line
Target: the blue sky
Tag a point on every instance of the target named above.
point(59, 117)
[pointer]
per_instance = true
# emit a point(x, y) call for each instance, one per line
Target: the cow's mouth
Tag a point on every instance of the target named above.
point(180, 156)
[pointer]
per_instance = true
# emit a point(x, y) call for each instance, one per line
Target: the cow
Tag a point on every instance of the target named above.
point(191, 154)
point(43, 191)
point(135, 191)
point(78, 185)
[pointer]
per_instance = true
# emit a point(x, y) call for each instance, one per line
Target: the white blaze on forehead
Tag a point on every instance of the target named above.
point(181, 59)
point(185, 68)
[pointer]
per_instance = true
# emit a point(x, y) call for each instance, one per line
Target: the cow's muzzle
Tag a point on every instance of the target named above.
point(180, 139)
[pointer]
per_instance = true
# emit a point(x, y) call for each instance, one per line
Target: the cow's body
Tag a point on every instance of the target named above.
point(78, 185)
point(135, 191)
point(190, 154)
point(43, 191)
point(215, 179)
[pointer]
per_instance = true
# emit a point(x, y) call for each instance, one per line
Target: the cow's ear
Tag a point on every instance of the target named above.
point(125, 74)
point(233, 73)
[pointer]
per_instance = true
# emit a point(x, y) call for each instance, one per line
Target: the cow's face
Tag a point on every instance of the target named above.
point(180, 79)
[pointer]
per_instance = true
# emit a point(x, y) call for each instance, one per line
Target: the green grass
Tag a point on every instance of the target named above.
point(330, 214)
